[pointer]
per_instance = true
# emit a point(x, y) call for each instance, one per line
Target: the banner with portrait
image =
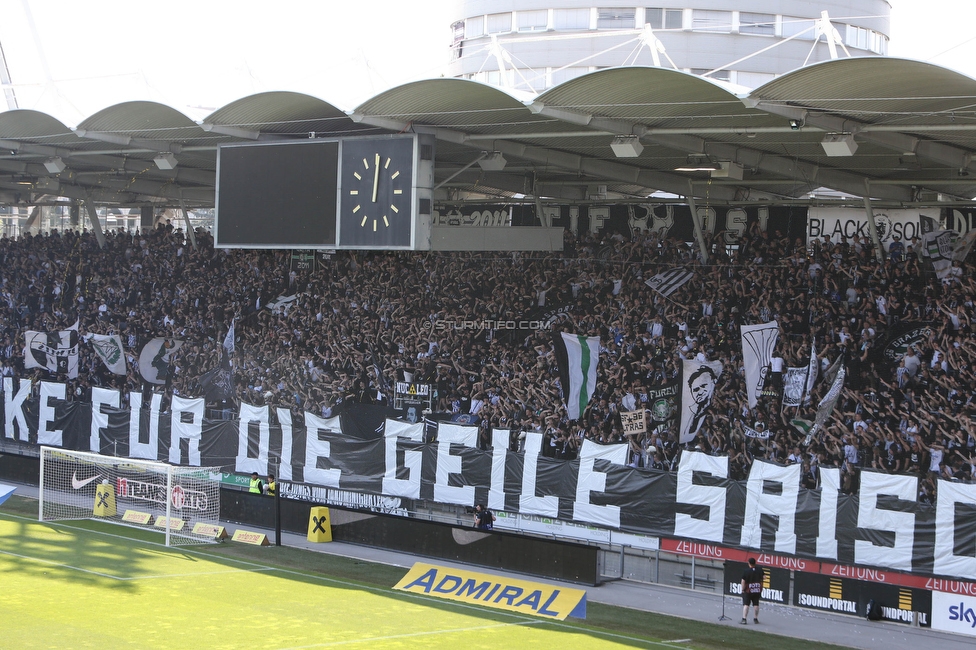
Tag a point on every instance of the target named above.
point(698, 381)
point(794, 381)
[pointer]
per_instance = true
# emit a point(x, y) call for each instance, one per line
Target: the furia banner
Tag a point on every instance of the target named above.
point(363, 450)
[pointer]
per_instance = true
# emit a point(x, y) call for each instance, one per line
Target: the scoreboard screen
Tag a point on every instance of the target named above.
point(280, 195)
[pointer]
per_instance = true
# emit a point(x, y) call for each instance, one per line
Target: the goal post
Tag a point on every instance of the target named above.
point(183, 503)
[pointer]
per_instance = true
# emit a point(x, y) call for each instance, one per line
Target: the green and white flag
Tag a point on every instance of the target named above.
point(577, 357)
point(109, 350)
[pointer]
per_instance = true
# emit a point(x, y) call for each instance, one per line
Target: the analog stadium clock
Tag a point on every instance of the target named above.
point(376, 192)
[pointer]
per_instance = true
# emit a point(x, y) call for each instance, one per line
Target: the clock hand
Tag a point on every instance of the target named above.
point(376, 176)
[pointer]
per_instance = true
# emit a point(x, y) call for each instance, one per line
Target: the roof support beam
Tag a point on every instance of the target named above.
point(134, 166)
point(125, 190)
point(696, 223)
point(614, 171)
point(802, 171)
point(126, 141)
point(515, 183)
point(39, 149)
point(237, 132)
point(96, 226)
point(900, 142)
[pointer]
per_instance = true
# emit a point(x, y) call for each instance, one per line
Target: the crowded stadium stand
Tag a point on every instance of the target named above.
point(348, 333)
point(639, 307)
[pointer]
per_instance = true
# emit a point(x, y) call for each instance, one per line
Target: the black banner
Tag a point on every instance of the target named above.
point(899, 338)
point(365, 450)
point(776, 582)
point(667, 219)
point(848, 596)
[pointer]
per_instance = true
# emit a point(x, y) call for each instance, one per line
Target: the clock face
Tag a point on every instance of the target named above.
point(376, 206)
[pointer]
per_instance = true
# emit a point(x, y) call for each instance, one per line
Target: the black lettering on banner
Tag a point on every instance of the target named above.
point(814, 227)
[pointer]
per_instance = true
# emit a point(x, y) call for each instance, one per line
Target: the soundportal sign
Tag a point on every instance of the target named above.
point(364, 451)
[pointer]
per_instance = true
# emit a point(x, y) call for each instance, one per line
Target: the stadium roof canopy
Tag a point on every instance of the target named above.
point(905, 132)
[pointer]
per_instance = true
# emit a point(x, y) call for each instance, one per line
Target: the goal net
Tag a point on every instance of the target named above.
point(181, 502)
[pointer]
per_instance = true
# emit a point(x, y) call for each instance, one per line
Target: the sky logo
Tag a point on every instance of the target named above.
point(962, 613)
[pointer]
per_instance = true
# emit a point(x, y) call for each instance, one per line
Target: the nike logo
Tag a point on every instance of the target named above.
point(76, 484)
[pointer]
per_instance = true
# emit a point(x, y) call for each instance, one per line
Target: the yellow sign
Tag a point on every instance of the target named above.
point(209, 530)
point(319, 528)
point(174, 523)
point(494, 591)
point(104, 500)
point(136, 517)
point(247, 537)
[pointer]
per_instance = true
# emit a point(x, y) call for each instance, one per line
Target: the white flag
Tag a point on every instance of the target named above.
point(938, 246)
point(282, 303)
point(697, 385)
point(752, 433)
point(56, 352)
point(156, 359)
point(827, 404)
point(229, 339)
point(669, 281)
point(577, 357)
point(758, 342)
point(793, 383)
point(812, 370)
point(109, 350)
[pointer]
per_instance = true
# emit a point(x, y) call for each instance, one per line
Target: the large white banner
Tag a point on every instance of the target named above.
point(847, 222)
point(758, 342)
point(890, 528)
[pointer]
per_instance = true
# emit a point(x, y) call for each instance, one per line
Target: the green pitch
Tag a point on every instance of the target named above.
point(95, 585)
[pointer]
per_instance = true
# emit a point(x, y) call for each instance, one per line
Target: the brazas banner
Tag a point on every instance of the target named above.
point(362, 450)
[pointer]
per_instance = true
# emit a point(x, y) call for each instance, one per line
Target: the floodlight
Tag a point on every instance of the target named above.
point(493, 162)
point(839, 144)
point(728, 170)
point(166, 161)
point(55, 165)
point(626, 146)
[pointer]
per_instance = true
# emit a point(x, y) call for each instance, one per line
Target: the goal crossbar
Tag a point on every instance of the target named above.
point(183, 503)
